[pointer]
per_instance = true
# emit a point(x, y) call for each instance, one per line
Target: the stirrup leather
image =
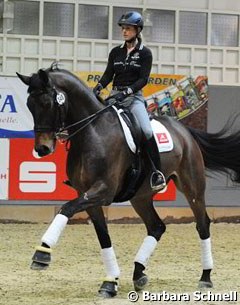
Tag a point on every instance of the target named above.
point(158, 185)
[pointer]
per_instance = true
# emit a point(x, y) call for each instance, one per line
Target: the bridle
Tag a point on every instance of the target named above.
point(59, 101)
point(61, 131)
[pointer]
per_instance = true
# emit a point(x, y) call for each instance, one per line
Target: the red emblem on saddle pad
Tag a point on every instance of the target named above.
point(162, 138)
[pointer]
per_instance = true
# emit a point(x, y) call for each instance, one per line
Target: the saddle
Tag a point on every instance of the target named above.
point(135, 174)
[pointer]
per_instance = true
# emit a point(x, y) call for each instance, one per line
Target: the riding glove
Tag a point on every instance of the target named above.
point(119, 97)
point(97, 89)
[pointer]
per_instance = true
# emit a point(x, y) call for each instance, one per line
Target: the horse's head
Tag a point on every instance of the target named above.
point(48, 106)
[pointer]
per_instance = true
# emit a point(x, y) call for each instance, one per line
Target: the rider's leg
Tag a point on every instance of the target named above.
point(158, 181)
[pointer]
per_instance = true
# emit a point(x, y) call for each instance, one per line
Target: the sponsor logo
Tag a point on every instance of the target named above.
point(37, 177)
point(162, 138)
point(7, 104)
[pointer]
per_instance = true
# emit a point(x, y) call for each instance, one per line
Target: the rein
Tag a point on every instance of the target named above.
point(63, 132)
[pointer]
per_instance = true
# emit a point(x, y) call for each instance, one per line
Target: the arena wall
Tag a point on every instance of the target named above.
point(27, 47)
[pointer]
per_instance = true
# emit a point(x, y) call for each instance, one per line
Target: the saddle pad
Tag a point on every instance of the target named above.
point(162, 136)
point(126, 130)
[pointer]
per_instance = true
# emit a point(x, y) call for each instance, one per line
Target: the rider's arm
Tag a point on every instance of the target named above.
point(107, 76)
point(146, 65)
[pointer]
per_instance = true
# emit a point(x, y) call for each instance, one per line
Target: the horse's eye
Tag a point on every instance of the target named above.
point(44, 101)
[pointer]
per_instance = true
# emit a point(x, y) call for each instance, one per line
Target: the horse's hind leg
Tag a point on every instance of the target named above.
point(192, 183)
point(109, 286)
point(155, 228)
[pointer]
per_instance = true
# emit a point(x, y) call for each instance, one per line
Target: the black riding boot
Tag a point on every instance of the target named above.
point(158, 181)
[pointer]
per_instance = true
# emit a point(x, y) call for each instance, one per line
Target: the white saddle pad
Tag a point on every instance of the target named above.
point(126, 131)
point(161, 134)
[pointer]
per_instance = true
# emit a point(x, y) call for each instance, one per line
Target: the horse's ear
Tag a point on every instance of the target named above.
point(24, 79)
point(43, 75)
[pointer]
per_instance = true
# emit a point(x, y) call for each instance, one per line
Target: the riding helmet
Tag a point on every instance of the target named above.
point(131, 18)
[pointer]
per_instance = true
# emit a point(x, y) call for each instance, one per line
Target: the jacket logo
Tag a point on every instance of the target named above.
point(135, 56)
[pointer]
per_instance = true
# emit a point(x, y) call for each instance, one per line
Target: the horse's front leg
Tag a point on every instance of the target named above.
point(97, 195)
point(110, 283)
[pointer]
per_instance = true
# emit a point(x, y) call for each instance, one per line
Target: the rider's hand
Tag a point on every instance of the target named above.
point(119, 97)
point(97, 89)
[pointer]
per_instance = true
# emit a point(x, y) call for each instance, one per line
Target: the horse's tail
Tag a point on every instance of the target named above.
point(221, 150)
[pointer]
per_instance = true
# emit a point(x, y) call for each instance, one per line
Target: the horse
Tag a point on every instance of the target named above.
point(98, 162)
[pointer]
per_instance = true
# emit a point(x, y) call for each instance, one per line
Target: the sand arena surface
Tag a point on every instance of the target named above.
point(76, 271)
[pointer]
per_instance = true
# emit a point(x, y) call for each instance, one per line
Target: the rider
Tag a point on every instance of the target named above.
point(129, 66)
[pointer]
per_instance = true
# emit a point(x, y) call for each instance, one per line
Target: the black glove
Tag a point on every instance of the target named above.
point(97, 89)
point(119, 97)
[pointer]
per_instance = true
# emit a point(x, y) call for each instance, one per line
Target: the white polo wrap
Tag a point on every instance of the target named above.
point(110, 263)
point(148, 246)
point(54, 231)
point(206, 254)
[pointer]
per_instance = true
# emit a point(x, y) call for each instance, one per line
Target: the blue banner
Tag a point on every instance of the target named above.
point(15, 119)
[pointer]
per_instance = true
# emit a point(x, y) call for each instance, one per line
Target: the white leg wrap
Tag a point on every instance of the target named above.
point(146, 250)
point(54, 231)
point(110, 263)
point(206, 254)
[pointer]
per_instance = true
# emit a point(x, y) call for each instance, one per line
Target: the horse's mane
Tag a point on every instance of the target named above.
point(55, 67)
point(37, 83)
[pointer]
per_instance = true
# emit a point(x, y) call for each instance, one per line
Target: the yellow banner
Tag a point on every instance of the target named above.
point(174, 95)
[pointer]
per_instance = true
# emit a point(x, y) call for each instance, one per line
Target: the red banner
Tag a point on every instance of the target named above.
point(34, 178)
point(169, 193)
point(37, 178)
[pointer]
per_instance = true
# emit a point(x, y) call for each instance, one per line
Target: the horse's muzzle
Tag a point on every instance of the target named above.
point(44, 143)
point(43, 150)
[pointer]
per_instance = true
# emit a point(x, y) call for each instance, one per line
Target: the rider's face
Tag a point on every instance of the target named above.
point(129, 32)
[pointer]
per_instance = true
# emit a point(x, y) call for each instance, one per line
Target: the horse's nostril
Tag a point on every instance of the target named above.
point(43, 150)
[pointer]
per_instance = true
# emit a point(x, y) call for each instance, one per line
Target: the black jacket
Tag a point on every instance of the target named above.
point(130, 70)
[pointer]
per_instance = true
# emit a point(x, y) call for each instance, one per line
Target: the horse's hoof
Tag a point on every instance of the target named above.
point(105, 294)
point(43, 257)
point(141, 283)
point(108, 289)
point(38, 266)
point(204, 284)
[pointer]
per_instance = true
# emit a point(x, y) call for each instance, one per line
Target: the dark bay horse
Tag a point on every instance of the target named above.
point(99, 158)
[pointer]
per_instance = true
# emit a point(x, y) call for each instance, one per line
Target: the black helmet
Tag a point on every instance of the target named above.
point(131, 18)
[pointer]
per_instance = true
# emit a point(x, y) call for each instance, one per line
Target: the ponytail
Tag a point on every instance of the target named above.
point(139, 37)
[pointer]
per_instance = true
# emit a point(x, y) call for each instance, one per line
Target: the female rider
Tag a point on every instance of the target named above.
point(129, 67)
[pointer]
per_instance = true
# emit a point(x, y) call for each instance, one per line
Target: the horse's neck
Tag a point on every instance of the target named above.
point(81, 102)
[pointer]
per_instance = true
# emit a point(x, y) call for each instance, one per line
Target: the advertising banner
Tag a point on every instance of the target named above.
point(37, 178)
point(4, 168)
point(174, 95)
point(182, 97)
point(34, 178)
point(15, 119)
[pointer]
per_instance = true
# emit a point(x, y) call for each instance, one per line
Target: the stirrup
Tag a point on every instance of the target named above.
point(160, 182)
